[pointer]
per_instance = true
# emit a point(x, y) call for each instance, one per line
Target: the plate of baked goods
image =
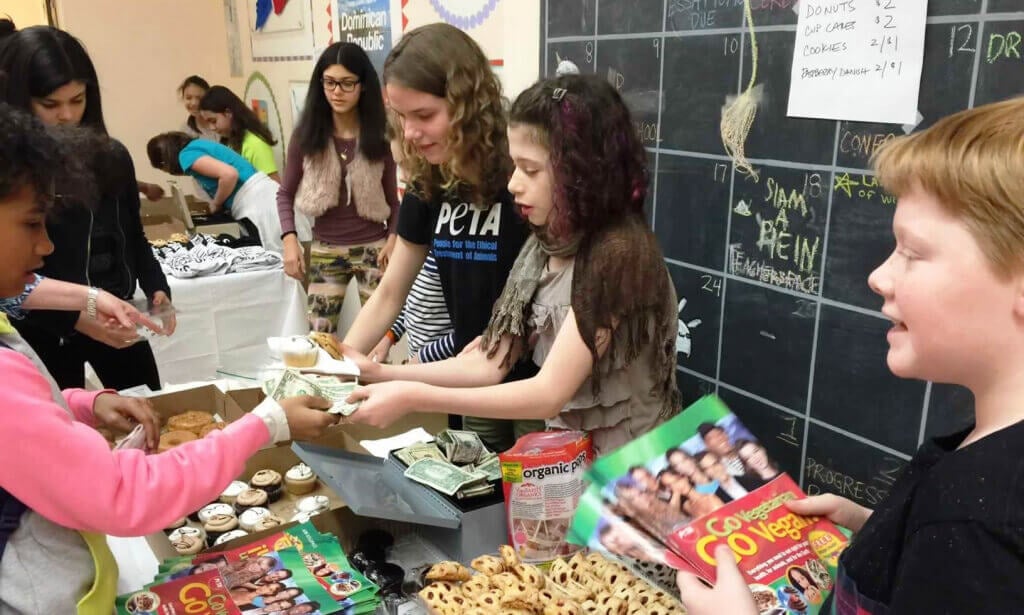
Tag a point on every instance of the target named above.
point(316, 352)
point(581, 585)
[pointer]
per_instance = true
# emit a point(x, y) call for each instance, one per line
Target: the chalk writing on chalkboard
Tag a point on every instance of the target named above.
point(858, 60)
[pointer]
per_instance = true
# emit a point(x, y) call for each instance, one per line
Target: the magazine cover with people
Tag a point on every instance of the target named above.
point(295, 571)
point(699, 480)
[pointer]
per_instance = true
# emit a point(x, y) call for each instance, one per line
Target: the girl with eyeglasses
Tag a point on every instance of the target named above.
point(341, 174)
point(239, 128)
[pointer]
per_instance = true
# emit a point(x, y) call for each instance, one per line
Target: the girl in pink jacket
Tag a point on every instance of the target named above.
point(61, 487)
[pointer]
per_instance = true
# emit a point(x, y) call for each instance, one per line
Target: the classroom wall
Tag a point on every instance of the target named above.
point(25, 13)
point(142, 50)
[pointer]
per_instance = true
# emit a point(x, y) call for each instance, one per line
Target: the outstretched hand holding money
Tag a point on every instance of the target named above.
point(383, 403)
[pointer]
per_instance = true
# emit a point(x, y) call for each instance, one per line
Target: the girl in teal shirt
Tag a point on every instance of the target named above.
point(232, 182)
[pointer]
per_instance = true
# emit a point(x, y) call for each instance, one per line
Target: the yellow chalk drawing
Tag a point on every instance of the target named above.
point(738, 113)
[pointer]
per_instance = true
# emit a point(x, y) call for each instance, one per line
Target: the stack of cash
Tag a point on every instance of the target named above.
point(291, 383)
point(456, 464)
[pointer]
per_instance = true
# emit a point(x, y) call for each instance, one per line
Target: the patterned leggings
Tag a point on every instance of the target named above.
point(331, 268)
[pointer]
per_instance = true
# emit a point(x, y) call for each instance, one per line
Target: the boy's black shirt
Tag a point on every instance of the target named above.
point(950, 536)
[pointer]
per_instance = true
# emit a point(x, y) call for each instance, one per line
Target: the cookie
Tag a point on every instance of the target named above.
point(508, 556)
point(476, 586)
point(505, 579)
point(489, 600)
point(561, 607)
point(448, 571)
point(269, 481)
point(488, 564)
point(529, 574)
point(299, 479)
point(438, 595)
point(328, 342)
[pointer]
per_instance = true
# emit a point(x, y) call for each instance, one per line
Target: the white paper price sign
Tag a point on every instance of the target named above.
point(858, 60)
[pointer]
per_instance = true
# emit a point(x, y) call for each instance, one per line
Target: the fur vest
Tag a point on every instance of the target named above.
point(320, 187)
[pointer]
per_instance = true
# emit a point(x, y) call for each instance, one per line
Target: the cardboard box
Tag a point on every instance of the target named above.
point(279, 458)
point(162, 227)
point(207, 398)
point(339, 520)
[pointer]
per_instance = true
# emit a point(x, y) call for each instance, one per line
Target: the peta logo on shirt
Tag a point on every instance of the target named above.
point(462, 233)
point(464, 217)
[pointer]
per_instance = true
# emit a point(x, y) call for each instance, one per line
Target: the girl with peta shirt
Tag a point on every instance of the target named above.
point(448, 101)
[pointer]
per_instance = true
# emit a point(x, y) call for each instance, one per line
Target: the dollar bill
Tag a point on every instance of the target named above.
point(475, 491)
point(491, 467)
point(291, 384)
point(337, 391)
point(439, 475)
point(461, 446)
point(413, 453)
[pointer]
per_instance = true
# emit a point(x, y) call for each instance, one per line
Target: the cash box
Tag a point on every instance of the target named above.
point(377, 488)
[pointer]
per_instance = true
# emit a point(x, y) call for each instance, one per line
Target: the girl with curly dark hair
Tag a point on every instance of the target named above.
point(589, 298)
point(448, 101)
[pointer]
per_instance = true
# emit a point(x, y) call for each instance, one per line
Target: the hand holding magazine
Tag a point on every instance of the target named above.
point(699, 481)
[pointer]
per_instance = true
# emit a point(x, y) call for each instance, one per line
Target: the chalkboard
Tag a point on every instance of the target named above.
point(776, 315)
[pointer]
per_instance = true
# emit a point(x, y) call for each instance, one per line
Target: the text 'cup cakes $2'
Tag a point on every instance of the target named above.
point(269, 481)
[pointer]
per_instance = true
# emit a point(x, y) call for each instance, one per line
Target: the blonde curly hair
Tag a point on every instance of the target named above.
point(441, 60)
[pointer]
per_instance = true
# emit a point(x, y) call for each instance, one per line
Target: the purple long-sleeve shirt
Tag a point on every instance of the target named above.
point(341, 225)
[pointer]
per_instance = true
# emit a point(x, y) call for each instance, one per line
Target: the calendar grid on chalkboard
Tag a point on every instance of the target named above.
point(799, 358)
point(977, 58)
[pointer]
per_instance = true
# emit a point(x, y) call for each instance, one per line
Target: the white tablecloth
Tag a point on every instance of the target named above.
point(224, 322)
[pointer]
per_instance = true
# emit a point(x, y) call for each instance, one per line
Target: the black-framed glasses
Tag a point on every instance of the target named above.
point(346, 85)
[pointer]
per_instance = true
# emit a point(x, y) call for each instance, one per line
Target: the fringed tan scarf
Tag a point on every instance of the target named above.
point(320, 187)
point(619, 284)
